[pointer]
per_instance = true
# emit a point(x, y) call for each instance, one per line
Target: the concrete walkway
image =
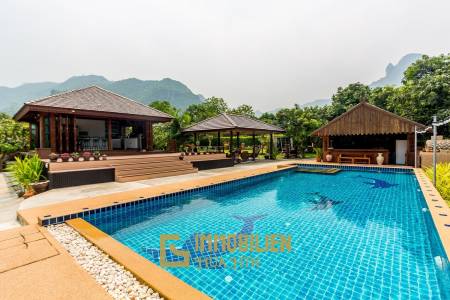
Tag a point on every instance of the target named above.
point(9, 204)
point(99, 189)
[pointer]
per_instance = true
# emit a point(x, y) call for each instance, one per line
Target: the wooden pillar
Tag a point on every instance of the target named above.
point(41, 131)
point(52, 132)
point(75, 134)
point(325, 145)
point(218, 141)
point(149, 136)
point(67, 134)
point(231, 141)
point(254, 145)
point(60, 132)
point(109, 126)
point(36, 134)
point(410, 149)
point(30, 137)
point(271, 146)
point(238, 142)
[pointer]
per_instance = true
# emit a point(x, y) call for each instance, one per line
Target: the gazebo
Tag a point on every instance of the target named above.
point(365, 130)
point(90, 119)
point(234, 125)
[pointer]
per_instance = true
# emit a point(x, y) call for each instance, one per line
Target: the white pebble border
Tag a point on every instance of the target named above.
point(113, 277)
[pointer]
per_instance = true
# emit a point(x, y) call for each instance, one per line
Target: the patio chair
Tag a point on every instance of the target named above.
point(244, 156)
point(257, 151)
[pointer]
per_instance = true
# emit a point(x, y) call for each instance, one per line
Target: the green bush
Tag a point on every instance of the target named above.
point(27, 170)
point(442, 179)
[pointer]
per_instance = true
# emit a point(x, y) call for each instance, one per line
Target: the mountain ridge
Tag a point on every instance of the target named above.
point(144, 91)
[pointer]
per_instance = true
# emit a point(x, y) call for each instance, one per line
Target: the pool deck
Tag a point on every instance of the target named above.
point(68, 279)
point(33, 265)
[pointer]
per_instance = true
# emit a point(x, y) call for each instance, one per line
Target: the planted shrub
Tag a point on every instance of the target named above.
point(442, 179)
point(27, 171)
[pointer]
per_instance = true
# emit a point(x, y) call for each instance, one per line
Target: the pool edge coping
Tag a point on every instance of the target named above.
point(160, 280)
point(37, 216)
point(438, 207)
point(122, 254)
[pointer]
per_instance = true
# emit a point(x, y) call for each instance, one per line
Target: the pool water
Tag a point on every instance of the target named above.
point(355, 235)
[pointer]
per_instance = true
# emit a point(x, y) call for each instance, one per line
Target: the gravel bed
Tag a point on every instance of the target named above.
point(113, 277)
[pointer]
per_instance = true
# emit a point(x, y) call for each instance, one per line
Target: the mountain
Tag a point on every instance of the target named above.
point(318, 102)
point(145, 91)
point(394, 73)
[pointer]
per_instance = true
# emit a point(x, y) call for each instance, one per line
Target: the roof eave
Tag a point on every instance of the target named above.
point(88, 113)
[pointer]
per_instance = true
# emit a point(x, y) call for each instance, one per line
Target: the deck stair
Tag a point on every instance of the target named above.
point(151, 167)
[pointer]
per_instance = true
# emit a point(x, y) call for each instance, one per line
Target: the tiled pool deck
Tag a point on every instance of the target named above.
point(72, 209)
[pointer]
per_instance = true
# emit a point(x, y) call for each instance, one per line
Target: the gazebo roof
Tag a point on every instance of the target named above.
point(93, 101)
point(365, 119)
point(225, 122)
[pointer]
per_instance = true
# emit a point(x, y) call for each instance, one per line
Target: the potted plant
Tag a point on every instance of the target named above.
point(329, 157)
point(53, 157)
point(104, 157)
point(75, 156)
point(87, 155)
point(319, 154)
point(97, 155)
point(181, 157)
point(65, 156)
point(27, 172)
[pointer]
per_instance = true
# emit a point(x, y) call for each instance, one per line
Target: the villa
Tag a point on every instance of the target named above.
point(90, 119)
point(359, 223)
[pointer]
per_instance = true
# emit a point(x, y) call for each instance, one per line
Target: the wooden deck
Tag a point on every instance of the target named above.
point(138, 167)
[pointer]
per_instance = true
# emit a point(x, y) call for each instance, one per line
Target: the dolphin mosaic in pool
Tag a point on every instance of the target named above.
point(377, 183)
point(322, 202)
point(195, 254)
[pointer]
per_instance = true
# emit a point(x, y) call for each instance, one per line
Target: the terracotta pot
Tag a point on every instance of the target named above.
point(28, 193)
point(40, 187)
point(329, 157)
point(318, 159)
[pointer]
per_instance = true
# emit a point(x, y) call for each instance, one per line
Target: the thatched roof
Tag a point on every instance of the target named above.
point(365, 119)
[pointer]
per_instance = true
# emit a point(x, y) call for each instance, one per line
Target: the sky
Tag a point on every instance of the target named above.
point(264, 53)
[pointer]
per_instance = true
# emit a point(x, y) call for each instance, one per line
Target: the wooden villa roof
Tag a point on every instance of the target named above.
point(365, 119)
point(225, 122)
point(92, 101)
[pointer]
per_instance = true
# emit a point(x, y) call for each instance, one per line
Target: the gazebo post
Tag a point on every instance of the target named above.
point(218, 141)
point(238, 141)
point(271, 146)
point(195, 141)
point(231, 142)
point(254, 142)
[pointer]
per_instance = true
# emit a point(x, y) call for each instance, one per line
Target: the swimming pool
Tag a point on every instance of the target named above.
point(355, 235)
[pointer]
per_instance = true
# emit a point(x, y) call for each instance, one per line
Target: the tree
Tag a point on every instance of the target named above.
point(207, 109)
point(426, 90)
point(243, 109)
point(14, 137)
point(347, 97)
point(269, 118)
point(299, 123)
point(165, 106)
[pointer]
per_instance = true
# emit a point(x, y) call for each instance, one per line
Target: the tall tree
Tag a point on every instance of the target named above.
point(243, 109)
point(348, 97)
point(165, 106)
point(207, 109)
point(426, 90)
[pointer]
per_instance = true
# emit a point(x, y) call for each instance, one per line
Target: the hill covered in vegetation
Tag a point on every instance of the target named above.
point(145, 91)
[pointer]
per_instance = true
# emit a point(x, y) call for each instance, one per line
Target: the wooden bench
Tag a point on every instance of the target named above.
point(353, 159)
